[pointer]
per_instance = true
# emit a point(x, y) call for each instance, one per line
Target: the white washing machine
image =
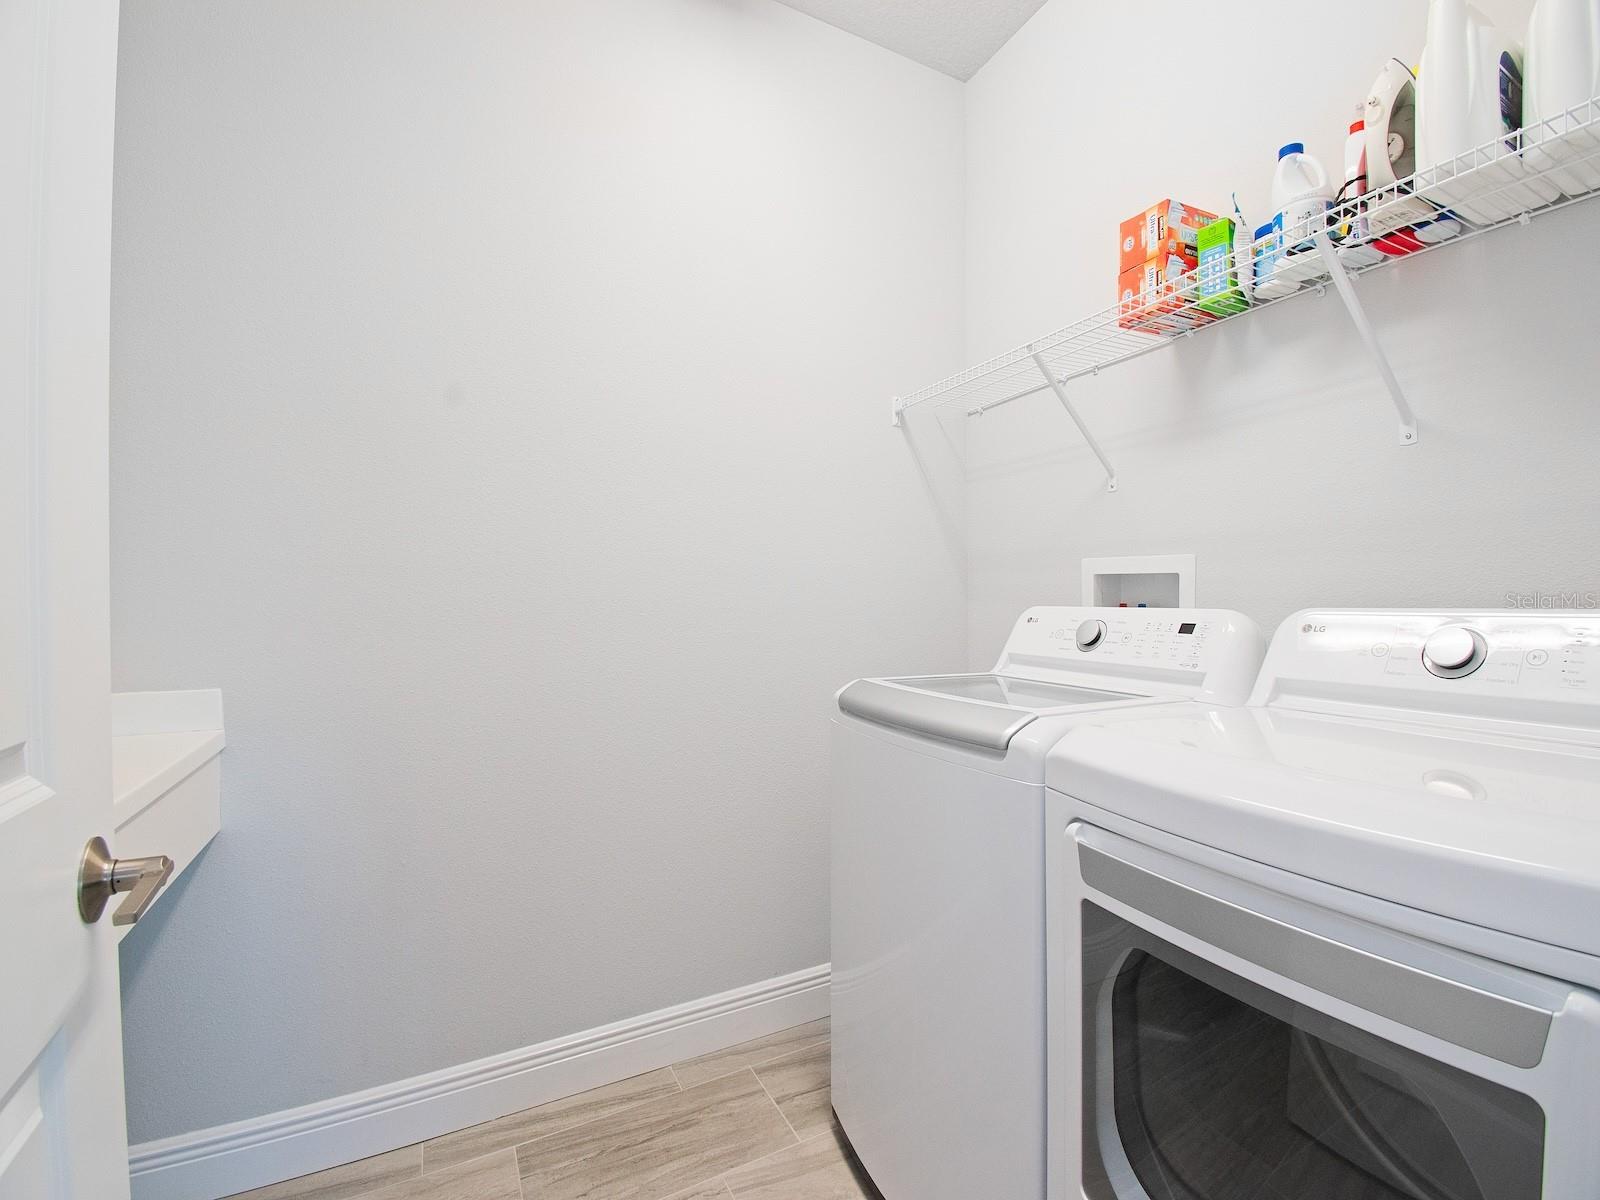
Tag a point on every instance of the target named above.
point(1344, 942)
point(938, 884)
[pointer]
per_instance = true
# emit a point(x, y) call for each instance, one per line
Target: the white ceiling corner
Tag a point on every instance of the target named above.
point(953, 36)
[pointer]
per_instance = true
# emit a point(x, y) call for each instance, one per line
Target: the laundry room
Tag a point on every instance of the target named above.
point(800, 600)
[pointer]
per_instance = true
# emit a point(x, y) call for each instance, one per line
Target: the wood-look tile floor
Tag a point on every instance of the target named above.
point(752, 1122)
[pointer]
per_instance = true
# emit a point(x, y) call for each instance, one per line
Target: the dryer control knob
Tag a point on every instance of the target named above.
point(1454, 651)
point(1090, 634)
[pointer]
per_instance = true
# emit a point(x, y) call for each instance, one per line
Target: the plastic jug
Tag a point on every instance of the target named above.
point(1354, 233)
point(1469, 107)
point(1563, 77)
point(1301, 195)
point(1355, 159)
point(1269, 280)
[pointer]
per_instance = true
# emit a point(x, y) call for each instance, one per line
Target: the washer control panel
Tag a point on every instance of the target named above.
point(1494, 662)
point(1154, 640)
point(1160, 650)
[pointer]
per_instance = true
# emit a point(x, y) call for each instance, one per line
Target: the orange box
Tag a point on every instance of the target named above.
point(1162, 229)
point(1156, 296)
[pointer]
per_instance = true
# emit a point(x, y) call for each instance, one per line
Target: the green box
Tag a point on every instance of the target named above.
point(1218, 277)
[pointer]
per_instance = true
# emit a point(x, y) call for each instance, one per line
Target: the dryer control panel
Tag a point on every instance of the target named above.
point(1512, 665)
point(1209, 654)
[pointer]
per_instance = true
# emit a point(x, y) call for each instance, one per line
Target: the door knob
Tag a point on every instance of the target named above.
point(100, 877)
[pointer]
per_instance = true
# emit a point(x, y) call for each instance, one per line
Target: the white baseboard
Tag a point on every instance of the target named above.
point(222, 1160)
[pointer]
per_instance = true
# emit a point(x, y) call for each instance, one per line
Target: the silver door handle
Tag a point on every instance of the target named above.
point(100, 877)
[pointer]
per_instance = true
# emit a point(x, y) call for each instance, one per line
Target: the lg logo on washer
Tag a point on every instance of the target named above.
point(1313, 629)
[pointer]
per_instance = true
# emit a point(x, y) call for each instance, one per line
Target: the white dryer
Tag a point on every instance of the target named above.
point(1344, 942)
point(938, 884)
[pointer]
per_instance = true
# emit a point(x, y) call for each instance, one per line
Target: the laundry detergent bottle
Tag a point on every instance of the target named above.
point(1301, 195)
point(1562, 77)
point(1469, 109)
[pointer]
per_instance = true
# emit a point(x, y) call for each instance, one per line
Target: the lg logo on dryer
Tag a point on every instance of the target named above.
point(1313, 629)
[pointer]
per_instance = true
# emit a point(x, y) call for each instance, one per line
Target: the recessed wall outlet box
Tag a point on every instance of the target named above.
point(1154, 580)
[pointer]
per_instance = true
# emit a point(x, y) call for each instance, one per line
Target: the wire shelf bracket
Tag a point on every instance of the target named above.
point(1550, 165)
point(1056, 385)
point(1060, 389)
point(1369, 336)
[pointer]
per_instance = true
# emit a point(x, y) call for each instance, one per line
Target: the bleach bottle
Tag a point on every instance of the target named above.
point(1301, 194)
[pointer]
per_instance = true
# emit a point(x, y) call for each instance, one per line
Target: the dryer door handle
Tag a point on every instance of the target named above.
point(1504, 1029)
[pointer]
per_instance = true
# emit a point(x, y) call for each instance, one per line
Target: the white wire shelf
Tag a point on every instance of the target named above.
point(1547, 166)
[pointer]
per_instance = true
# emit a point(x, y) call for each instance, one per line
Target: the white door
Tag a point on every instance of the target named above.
point(62, 1127)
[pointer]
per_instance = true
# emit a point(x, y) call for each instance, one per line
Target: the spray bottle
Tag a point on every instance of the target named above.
point(1243, 252)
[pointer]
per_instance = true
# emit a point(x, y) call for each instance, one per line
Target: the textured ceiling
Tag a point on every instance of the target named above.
point(953, 36)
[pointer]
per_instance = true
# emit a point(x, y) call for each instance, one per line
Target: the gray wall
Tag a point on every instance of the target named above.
point(499, 401)
point(1268, 448)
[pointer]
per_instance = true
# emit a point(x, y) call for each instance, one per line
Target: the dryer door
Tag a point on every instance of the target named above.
point(1236, 1043)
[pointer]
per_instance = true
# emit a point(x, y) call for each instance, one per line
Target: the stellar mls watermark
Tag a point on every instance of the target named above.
point(1543, 599)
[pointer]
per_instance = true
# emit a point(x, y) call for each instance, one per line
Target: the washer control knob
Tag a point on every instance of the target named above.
point(1454, 651)
point(1090, 634)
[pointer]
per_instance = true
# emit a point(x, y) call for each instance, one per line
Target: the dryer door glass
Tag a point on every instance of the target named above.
point(1201, 1085)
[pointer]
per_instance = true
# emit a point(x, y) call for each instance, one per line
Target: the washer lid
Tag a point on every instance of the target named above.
point(1498, 830)
point(1033, 694)
point(986, 711)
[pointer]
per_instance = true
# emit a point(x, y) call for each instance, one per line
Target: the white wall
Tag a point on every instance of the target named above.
point(499, 418)
point(1268, 447)
point(499, 399)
